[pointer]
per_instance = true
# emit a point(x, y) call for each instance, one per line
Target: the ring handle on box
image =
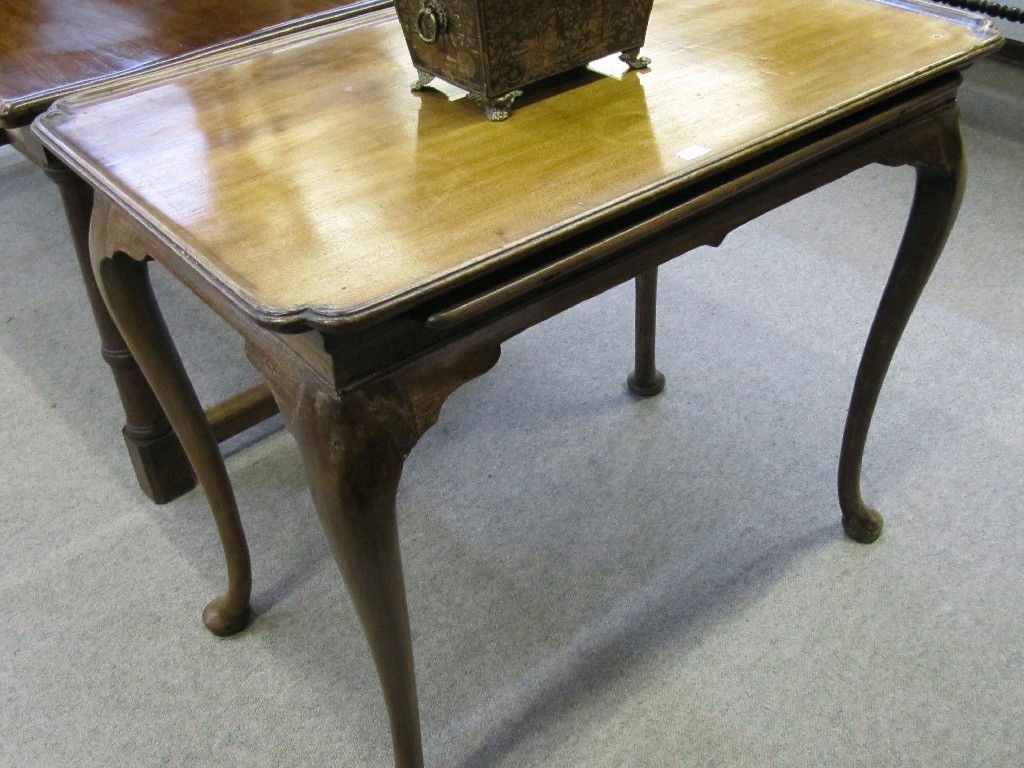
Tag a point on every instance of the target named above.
point(431, 21)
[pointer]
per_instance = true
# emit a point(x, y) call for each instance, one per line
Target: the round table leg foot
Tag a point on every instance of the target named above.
point(224, 618)
point(648, 386)
point(865, 525)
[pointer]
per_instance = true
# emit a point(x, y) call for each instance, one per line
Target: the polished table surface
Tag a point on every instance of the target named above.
point(50, 48)
point(375, 247)
point(311, 184)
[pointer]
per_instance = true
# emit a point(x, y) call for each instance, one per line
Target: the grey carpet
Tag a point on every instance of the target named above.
point(593, 580)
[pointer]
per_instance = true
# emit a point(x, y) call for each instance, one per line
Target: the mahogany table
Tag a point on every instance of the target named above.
point(52, 48)
point(374, 247)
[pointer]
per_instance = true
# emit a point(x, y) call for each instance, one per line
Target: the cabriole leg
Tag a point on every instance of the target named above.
point(353, 467)
point(124, 283)
point(354, 446)
point(941, 174)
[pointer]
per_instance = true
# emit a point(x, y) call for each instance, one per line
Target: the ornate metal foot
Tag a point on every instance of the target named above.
point(497, 109)
point(422, 81)
point(633, 58)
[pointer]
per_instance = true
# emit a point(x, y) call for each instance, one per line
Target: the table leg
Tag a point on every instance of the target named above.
point(941, 174)
point(354, 446)
point(160, 463)
point(646, 379)
point(124, 284)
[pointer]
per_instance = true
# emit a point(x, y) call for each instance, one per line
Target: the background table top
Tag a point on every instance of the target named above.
point(309, 181)
point(49, 48)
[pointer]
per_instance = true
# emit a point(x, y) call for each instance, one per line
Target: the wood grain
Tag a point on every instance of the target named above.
point(303, 186)
point(50, 48)
point(309, 181)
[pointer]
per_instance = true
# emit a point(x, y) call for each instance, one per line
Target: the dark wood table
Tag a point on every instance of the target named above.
point(375, 247)
point(52, 48)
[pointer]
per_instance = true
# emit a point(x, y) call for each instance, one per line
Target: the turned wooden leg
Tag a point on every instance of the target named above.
point(941, 175)
point(646, 379)
point(160, 463)
point(354, 446)
point(124, 284)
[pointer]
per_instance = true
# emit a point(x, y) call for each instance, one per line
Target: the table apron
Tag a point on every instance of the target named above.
point(518, 304)
point(497, 307)
point(711, 212)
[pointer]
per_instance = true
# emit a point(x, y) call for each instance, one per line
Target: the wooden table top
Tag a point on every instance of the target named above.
point(49, 48)
point(311, 185)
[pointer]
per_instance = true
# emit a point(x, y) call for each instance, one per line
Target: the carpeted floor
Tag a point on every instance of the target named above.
point(593, 580)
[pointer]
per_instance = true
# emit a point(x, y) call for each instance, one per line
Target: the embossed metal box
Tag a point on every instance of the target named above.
point(493, 48)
